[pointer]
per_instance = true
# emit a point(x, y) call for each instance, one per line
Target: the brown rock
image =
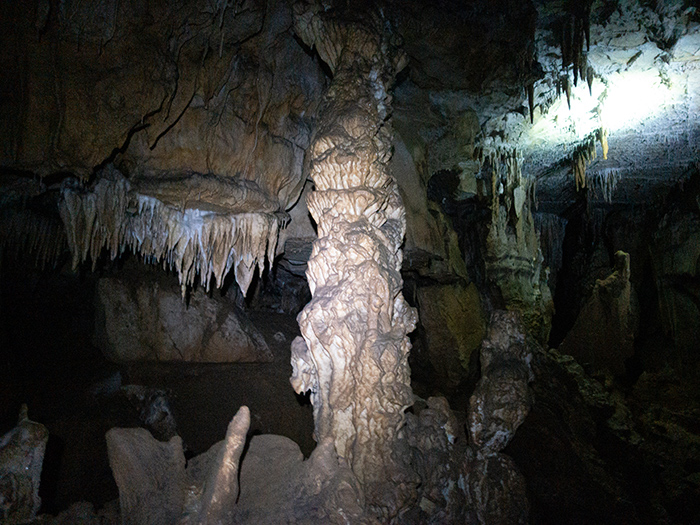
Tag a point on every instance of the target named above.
point(150, 475)
point(151, 322)
point(454, 327)
point(603, 335)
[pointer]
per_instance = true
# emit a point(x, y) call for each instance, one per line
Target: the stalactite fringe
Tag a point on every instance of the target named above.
point(192, 242)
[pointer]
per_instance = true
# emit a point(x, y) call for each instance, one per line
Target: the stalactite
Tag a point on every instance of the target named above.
point(586, 153)
point(602, 135)
point(605, 181)
point(574, 34)
point(514, 259)
point(194, 243)
point(551, 228)
point(531, 101)
point(26, 233)
point(589, 79)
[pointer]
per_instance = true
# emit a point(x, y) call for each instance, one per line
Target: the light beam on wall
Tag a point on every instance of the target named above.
point(634, 96)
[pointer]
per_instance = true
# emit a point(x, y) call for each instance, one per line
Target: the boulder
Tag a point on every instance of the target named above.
point(150, 321)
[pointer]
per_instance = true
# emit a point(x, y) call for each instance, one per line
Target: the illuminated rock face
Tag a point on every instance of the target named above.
point(353, 356)
point(141, 320)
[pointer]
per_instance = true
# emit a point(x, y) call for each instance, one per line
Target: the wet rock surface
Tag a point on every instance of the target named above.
point(178, 131)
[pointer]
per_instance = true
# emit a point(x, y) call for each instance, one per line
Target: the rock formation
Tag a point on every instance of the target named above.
point(530, 135)
point(354, 354)
point(151, 322)
point(497, 408)
point(156, 489)
point(603, 334)
point(514, 258)
point(194, 241)
point(21, 457)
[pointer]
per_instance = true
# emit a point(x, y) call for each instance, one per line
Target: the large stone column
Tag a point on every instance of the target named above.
point(354, 352)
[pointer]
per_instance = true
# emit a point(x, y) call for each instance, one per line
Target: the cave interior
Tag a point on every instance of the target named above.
point(321, 261)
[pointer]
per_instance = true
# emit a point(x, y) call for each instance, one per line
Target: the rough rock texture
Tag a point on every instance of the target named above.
point(21, 458)
point(171, 89)
point(354, 353)
point(278, 486)
point(220, 490)
point(29, 229)
point(497, 491)
point(513, 255)
point(497, 408)
point(438, 451)
point(676, 261)
point(453, 323)
point(603, 335)
point(154, 410)
point(612, 110)
point(150, 475)
point(156, 489)
point(149, 321)
point(578, 436)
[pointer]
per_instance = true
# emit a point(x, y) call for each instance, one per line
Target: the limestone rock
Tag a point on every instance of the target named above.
point(83, 513)
point(497, 491)
point(174, 88)
point(220, 489)
point(156, 489)
point(154, 410)
point(603, 334)
point(354, 356)
point(151, 322)
point(577, 435)
point(438, 449)
point(676, 260)
point(278, 486)
point(21, 458)
point(500, 402)
point(514, 258)
point(231, 230)
point(150, 475)
point(454, 325)
point(501, 399)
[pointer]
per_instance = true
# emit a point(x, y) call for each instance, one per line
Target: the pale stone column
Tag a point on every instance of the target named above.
point(355, 349)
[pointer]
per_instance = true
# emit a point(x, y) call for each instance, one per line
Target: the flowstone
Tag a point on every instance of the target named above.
point(355, 349)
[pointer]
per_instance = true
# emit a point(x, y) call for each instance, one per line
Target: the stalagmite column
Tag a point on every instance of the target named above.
point(354, 354)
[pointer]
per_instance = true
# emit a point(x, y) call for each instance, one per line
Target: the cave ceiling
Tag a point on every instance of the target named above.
point(212, 106)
